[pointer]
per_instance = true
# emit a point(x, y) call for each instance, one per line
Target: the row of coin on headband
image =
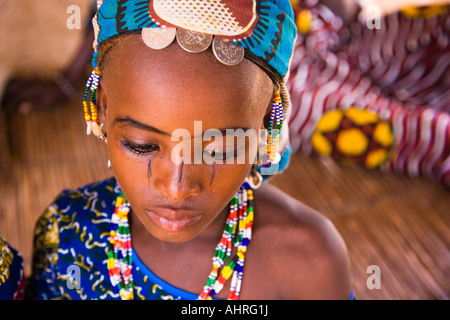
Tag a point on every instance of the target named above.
point(194, 42)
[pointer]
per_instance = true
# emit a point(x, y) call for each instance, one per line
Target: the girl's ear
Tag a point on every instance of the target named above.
point(102, 104)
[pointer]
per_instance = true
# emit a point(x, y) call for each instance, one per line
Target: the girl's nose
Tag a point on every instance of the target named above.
point(178, 181)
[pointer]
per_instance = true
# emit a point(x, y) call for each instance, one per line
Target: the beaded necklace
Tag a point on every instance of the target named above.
point(120, 255)
point(275, 125)
point(237, 233)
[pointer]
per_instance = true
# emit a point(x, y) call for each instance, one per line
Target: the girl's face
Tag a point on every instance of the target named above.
point(144, 96)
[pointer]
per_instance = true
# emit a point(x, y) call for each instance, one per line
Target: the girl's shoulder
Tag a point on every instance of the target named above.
point(305, 250)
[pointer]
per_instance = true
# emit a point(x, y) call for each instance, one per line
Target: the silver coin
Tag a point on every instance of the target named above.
point(226, 52)
point(158, 38)
point(193, 41)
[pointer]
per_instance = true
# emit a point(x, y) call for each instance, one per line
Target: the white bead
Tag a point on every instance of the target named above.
point(277, 158)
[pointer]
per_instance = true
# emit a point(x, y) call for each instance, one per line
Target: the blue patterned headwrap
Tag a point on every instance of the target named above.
point(264, 28)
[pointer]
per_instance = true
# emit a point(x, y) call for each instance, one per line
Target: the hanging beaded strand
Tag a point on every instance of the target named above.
point(120, 254)
point(91, 114)
point(275, 125)
point(238, 227)
point(244, 237)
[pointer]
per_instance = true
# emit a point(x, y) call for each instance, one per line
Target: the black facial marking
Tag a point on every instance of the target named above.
point(149, 169)
point(213, 174)
point(181, 172)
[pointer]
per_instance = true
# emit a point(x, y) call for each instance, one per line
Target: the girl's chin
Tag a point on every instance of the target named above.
point(182, 236)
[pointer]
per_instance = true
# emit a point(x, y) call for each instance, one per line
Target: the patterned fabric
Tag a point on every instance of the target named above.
point(71, 251)
point(399, 71)
point(353, 136)
point(265, 28)
point(12, 282)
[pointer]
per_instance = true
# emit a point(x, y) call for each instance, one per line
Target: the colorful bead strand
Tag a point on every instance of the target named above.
point(238, 228)
point(120, 254)
point(275, 123)
point(91, 85)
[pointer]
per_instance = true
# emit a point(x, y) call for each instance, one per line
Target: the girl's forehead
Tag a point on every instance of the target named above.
point(132, 55)
point(175, 88)
point(175, 76)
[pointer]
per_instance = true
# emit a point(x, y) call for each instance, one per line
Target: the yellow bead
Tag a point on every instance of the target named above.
point(110, 263)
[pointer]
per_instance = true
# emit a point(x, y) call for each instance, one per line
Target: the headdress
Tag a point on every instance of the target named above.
point(264, 28)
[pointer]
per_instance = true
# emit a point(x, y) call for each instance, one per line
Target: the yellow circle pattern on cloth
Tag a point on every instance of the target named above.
point(353, 136)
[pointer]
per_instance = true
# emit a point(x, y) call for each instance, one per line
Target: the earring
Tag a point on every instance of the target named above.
point(255, 179)
point(275, 125)
point(98, 131)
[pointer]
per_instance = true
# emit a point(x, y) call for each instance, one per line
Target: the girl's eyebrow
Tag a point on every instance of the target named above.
point(134, 123)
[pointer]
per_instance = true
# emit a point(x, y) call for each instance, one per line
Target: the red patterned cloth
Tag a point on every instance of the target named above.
point(400, 71)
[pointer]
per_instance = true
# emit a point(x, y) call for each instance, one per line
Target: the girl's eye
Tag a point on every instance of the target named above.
point(140, 149)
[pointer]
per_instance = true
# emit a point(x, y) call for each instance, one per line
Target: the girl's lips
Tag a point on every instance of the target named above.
point(173, 225)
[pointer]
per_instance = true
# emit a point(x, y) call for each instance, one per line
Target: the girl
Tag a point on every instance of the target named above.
point(151, 231)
